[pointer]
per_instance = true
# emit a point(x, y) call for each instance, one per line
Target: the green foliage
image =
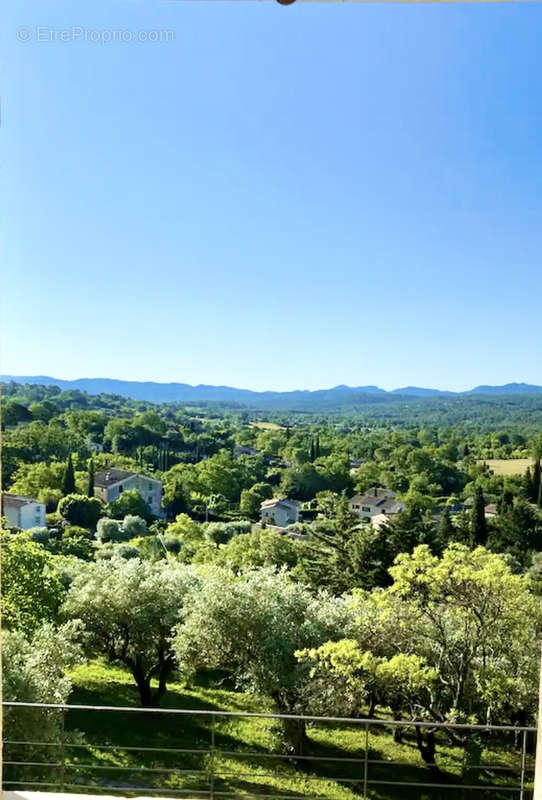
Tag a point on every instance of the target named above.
point(130, 503)
point(252, 625)
point(109, 530)
point(129, 609)
point(78, 509)
point(34, 670)
point(68, 479)
point(31, 588)
point(133, 526)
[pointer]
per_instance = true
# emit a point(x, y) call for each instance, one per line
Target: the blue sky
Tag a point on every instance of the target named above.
point(278, 198)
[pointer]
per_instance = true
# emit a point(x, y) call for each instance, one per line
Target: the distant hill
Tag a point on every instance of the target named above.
point(508, 388)
point(337, 397)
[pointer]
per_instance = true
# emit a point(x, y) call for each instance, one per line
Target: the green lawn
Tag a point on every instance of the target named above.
point(242, 763)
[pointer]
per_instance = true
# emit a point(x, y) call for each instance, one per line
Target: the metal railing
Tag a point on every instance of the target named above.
point(127, 750)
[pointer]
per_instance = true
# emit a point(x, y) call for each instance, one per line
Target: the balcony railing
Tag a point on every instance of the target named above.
point(132, 751)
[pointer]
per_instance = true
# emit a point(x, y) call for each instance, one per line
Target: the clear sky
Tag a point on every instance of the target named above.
point(277, 198)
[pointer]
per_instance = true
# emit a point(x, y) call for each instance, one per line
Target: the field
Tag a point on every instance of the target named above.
point(508, 466)
point(249, 759)
point(266, 426)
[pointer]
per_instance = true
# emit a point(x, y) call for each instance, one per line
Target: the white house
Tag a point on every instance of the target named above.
point(280, 511)
point(23, 512)
point(375, 501)
point(111, 483)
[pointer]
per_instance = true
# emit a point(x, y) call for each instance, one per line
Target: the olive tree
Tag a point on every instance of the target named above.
point(34, 671)
point(129, 609)
point(252, 625)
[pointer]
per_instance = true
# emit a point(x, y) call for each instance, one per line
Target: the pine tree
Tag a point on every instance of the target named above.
point(68, 479)
point(479, 524)
point(90, 487)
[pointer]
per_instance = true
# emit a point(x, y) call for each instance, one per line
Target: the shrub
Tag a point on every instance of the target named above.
point(134, 526)
point(78, 509)
point(109, 530)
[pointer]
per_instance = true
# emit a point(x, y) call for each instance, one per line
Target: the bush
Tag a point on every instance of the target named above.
point(122, 550)
point(77, 542)
point(134, 526)
point(130, 502)
point(222, 532)
point(39, 535)
point(78, 509)
point(109, 530)
point(51, 498)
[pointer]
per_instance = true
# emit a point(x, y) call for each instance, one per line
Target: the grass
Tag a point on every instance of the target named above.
point(267, 426)
point(508, 466)
point(242, 764)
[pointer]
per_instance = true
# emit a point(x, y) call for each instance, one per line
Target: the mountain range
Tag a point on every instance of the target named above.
point(301, 399)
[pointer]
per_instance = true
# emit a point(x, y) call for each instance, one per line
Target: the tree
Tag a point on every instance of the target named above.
point(76, 541)
point(90, 487)
point(479, 524)
point(34, 670)
point(78, 509)
point(31, 587)
point(109, 530)
point(133, 526)
point(130, 502)
point(129, 609)
point(252, 626)
point(68, 479)
point(251, 499)
point(471, 619)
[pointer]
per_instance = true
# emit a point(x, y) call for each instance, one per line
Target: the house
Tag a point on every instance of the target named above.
point(111, 483)
point(23, 512)
point(491, 510)
point(241, 450)
point(375, 501)
point(280, 511)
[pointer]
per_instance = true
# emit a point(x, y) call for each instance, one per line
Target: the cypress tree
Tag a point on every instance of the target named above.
point(68, 479)
point(312, 452)
point(479, 524)
point(528, 483)
point(506, 501)
point(446, 528)
point(539, 500)
point(90, 487)
point(536, 481)
point(317, 447)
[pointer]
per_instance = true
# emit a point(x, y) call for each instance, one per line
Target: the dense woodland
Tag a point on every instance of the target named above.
point(431, 616)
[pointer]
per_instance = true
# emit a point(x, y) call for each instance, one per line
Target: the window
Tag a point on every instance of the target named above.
point(366, 508)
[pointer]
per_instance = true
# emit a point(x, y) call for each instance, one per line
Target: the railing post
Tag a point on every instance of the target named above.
point(63, 751)
point(523, 764)
point(212, 776)
point(366, 762)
